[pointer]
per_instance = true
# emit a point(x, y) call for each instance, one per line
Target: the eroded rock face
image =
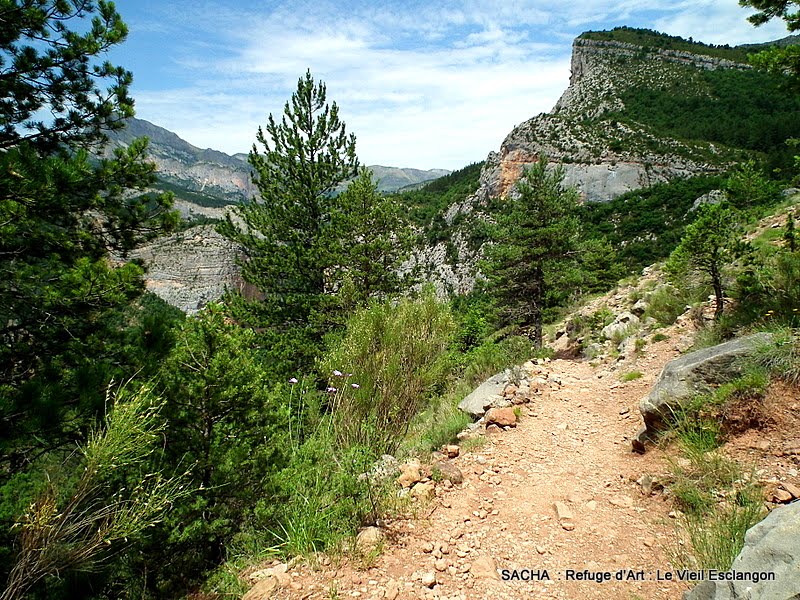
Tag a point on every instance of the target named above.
point(771, 546)
point(191, 268)
point(692, 374)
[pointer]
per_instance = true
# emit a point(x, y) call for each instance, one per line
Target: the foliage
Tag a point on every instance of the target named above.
point(748, 189)
point(534, 247)
point(782, 358)
point(50, 68)
point(58, 535)
point(737, 108)
point(285, 233)
point(644, 226)
point(428, 204)
point(666, 303)
point(647, 38)
point(779, 60)
point(227, 424)
point(69, 322)
point(631, 376)
point(708, 245)
point(377, 241)
point(395, 353)
point(720, 503)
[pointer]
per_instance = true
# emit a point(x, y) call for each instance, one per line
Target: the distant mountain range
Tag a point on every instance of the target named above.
point(213, 179)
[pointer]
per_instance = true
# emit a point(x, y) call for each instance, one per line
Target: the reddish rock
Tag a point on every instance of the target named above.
point(502, 417)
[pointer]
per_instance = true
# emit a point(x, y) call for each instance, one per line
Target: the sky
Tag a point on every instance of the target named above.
point(422, 84)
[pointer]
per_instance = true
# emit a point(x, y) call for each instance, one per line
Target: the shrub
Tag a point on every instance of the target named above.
point(782, 359)
point(390, 361)
point(665, 305)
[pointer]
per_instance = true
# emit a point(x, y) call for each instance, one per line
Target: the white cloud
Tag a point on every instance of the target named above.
point(423, 85)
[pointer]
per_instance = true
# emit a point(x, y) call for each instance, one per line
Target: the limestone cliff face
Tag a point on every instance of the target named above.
point(191, 268)
point(601, 157)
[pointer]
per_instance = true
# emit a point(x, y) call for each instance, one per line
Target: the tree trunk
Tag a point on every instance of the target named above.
point(716, 282)
point(538, 294)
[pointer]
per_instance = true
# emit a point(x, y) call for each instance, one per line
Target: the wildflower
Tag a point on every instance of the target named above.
point(337, 373)
point(293, 380)
point(331, 390)
point(355, 386)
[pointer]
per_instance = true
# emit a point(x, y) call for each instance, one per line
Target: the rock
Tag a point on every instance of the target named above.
point(441, 565)
point(621, 327)
point(493, 429)
point(712, 197)
point(386, 467)
point(564, 515)
point(781, 496)
point(263, 590)
point(452, 450)
point(502, 417)
point(392, 590)
point(409, 475)
point(369, 539)
point(427, 547)
point(191, 268)
point(484, 568)
point(429, 579)
point(484, 396)
point(448, 472)
point(687, 376)
point(771, 546)
point(792, 489)
point(423, 491)
point(621, 500)
point(639, 308)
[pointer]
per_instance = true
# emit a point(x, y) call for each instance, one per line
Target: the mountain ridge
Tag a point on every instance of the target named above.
point(212, 178)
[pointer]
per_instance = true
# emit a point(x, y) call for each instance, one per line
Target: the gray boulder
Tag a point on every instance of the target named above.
point(487, 395)
point(622, 326)
point(771, 546)
point(692, 374)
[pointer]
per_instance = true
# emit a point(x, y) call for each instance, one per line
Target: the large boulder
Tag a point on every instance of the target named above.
point(692, 374)
point(770, 547)
point(485, 396)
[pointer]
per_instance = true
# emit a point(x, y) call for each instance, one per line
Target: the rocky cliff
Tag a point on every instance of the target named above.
point(191, 268)
point(603, 155)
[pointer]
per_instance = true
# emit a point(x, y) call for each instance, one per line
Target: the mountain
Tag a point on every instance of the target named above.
point(212, 179)
point(642, 108)
point(391, 179)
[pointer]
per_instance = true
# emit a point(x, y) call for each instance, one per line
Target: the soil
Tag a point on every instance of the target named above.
point(571, 446)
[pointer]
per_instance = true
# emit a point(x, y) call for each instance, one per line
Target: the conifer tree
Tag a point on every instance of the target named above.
point(284, 232)
point(708, 245)
point(534, 246)
point(371, 239)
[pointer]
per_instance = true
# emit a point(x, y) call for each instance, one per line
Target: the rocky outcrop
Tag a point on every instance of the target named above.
point(771, 549)
point(690, 375)
point(485, 396)
point(190, 268)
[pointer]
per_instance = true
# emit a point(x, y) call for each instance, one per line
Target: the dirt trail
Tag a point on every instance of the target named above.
point(571, 446)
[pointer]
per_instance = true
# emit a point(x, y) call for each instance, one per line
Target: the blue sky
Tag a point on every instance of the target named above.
point(421, 84)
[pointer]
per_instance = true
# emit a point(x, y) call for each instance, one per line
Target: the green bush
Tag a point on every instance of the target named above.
point(782, 358)
point(391, 359)
point(665, 305)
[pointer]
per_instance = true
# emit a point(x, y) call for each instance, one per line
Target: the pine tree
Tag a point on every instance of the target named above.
point(48, 67)
point(535, 244)
point(708, 245)
point(790, 234)
point(371, 239)
point(284, 233)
